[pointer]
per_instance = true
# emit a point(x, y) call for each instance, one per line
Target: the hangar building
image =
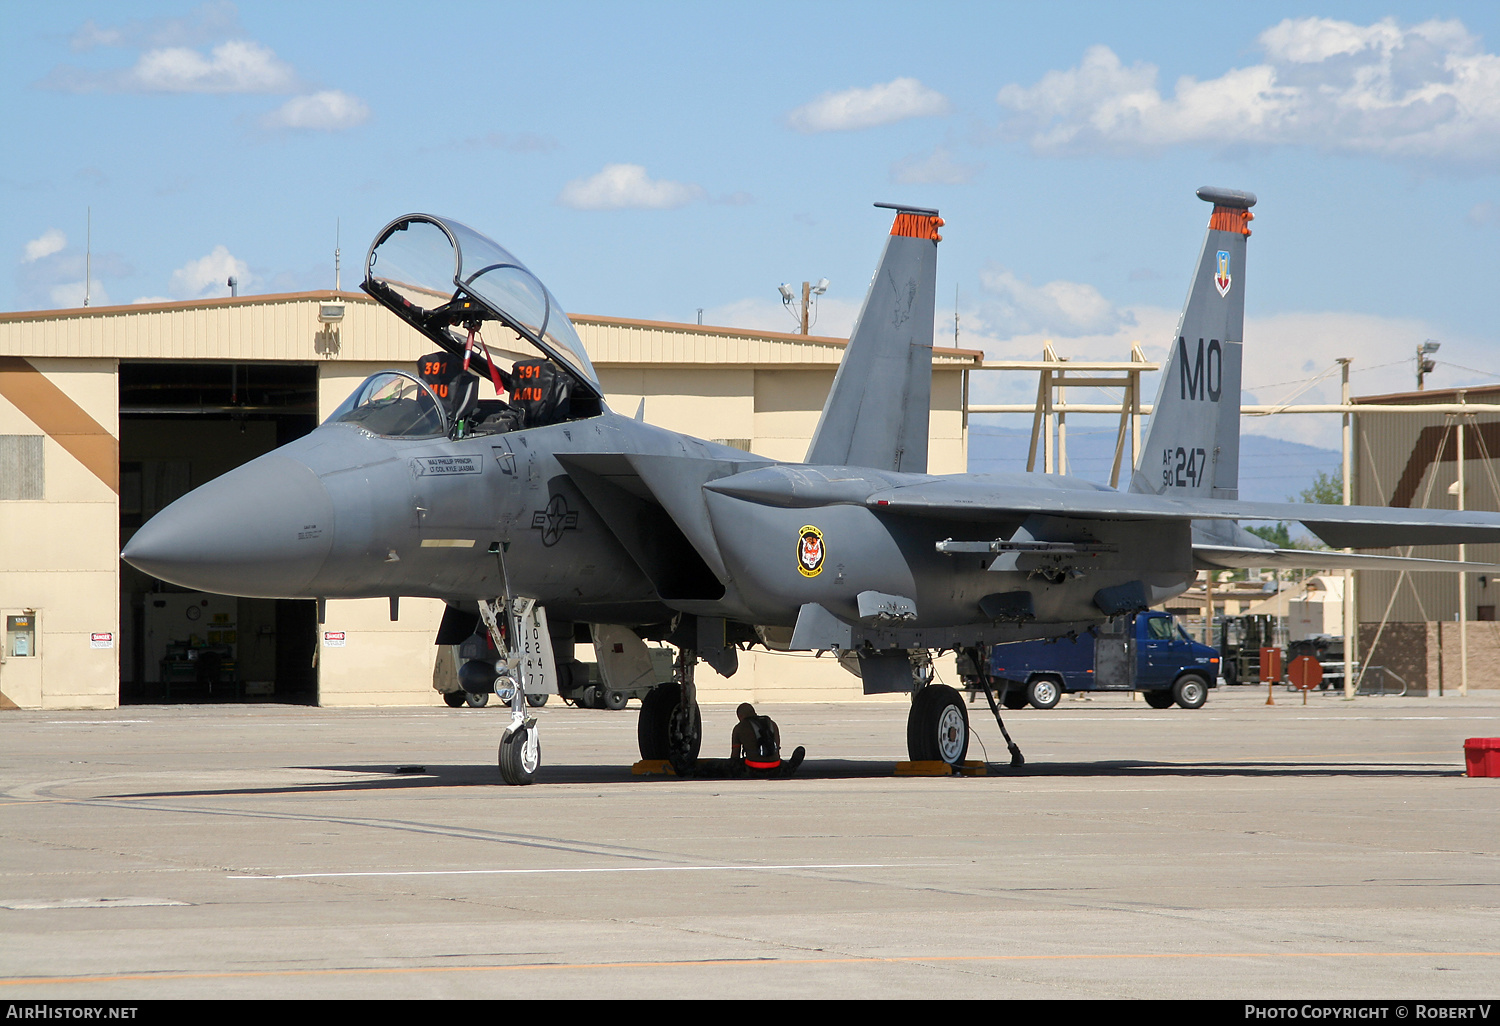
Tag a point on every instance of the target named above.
point(107, 414)
point(1407, 621)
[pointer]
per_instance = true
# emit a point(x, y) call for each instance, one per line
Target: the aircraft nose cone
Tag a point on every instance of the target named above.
point(262, 531)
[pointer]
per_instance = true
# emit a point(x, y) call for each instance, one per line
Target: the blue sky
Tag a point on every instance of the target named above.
point(651, 159)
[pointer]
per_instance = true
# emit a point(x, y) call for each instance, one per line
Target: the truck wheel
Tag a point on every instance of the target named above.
point(1230, 673)
point(537, 701)
point(1159, 699)
point(453, 699)
point(1190, 691)
point(1044, 692)
point(1015, 698)
point(476, 699)
point(937, 726)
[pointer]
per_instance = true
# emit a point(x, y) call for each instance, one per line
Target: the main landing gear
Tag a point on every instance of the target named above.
point(670, 725)
point(937, 728)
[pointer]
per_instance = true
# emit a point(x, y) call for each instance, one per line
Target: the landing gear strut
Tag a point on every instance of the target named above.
point(520, 747)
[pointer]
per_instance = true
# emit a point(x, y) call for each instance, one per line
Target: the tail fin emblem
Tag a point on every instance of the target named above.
point(1222, 279)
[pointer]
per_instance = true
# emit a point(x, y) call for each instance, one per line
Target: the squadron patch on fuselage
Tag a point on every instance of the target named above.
point(810, 551)
point(1221, 278)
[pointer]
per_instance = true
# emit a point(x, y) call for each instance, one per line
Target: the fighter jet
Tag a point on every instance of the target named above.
point(536, 508)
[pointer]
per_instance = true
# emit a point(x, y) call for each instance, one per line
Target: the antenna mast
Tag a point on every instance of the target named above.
point(88, 254)
point(336, 280)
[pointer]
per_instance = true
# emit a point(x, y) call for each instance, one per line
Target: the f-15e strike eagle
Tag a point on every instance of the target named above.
point(549, 510)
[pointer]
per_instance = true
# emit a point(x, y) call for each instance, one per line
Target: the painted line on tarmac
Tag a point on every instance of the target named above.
point(599, 869)
point(735, 963)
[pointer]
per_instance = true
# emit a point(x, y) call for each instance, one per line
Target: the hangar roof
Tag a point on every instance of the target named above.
point(285, 327)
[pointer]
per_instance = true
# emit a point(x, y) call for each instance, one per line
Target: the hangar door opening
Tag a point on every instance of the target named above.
point(182, 424)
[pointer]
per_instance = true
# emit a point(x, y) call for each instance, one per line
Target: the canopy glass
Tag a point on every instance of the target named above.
point(430, 261)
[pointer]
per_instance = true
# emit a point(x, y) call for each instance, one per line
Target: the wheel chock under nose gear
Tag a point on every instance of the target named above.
point(939, 768)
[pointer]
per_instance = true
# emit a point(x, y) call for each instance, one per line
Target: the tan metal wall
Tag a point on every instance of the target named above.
point(59, 554)
point(1410, 460)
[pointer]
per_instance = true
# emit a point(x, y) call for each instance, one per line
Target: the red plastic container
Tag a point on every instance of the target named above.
point(1483, 756)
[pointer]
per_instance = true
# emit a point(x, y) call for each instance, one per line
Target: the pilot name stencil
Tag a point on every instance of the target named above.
point(430, 466)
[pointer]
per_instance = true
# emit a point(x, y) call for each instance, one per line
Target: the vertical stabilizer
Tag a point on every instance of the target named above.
point(877, 412)
point(1193, 443)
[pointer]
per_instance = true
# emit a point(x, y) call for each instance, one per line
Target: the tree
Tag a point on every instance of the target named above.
point(1327, 489)
point(1277, 535)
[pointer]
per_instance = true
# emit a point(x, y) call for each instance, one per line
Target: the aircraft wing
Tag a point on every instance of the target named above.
point(972, 497)
point(1224, 557)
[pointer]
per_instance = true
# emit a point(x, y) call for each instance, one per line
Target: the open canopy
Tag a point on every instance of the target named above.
point(435, 272)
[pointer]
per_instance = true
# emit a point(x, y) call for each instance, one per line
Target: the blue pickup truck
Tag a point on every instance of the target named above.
point(1146, 652)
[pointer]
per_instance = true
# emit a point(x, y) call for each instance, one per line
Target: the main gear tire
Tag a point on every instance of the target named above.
point(520, 756)
point(615, 700)
point(454, 699)
point(654, 728)
point(937, 728)
point(476, 699)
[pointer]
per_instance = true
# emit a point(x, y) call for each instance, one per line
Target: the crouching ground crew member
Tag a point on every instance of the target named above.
point(755, 747)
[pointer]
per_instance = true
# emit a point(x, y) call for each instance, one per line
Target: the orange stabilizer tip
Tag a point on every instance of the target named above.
point(917, 226)
point(1231, 219)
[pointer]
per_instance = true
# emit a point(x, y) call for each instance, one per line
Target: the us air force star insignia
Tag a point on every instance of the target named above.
point(810, 551)
point(554, 520)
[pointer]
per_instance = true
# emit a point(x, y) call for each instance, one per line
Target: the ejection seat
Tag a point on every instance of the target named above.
point(540, 393)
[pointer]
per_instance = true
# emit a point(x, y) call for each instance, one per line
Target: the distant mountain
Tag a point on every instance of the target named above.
point(1271, 470)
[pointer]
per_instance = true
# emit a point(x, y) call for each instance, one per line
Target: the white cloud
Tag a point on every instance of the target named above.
point(1423, 92)
point(627, 187)
point(237, 66)
point(209, 275)
point(328, 111)
point(936, 168)
point(69, 295)
point(49, 242)
point(1062, 308)
point(208, 21)
point(881, 104)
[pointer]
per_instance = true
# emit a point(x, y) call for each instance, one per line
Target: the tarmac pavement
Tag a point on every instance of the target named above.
point(1246, 851)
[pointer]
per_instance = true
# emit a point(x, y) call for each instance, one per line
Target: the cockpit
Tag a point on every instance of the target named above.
point(453, 284)
point(394, 404)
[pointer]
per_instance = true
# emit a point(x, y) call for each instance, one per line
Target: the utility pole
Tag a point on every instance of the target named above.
point(1350, 624)
point(808, 291)
point(1463, 556)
